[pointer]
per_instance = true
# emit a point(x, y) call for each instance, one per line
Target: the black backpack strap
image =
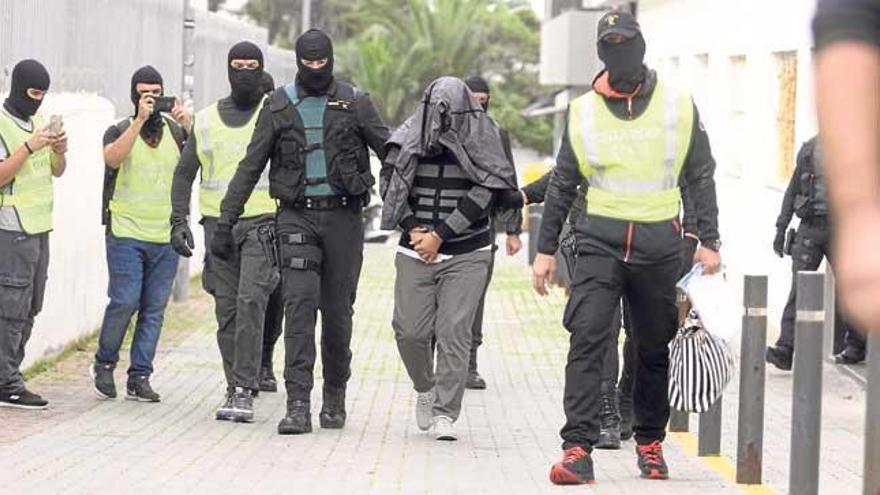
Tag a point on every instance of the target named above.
point(177, 132)
point(110, 179)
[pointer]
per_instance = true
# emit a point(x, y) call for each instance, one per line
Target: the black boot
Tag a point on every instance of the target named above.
point(780, 356)
point(268, 383)
point(850, 355)
point(298, 419)
point(474, 380)
point(333, 410)
point(609, 420)
point(625, 405)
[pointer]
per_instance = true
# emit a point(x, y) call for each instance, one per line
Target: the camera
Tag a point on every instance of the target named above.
point(164, 104)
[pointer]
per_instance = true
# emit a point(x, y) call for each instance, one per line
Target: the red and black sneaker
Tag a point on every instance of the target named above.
point(651, 461)
point(576, 468)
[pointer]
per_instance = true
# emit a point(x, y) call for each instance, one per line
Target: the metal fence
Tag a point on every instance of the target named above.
point(95, 45)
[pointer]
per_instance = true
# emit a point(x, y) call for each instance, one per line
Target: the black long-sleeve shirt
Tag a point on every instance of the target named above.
point(189, 165)
point(697, 176)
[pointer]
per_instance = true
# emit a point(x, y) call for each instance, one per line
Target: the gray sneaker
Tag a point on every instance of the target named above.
point(424, 406)
point(225, 412)
point(443, 429)
point(242, 405)
point(139, 389)
point(102, 380)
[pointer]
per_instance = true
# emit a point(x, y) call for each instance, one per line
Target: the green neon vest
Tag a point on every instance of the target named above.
point(32, 192)
point(632, 166)
point(311, 111)
point(141, 204)
point(220, 149)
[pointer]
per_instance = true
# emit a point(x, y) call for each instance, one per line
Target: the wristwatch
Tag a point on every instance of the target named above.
point(714, 245)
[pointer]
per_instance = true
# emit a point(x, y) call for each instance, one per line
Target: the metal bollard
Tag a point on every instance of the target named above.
point(806, 411)
point(750, 431)
point(872, 418)
point(709, 441)
point(679, 421)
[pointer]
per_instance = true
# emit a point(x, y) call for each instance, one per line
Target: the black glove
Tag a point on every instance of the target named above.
point(182, 238)
point(779, 242)
point(688, 249)
point(509, 199)
point(222, 245)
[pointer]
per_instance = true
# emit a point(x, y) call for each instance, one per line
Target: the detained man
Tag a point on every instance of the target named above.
point(438, 182)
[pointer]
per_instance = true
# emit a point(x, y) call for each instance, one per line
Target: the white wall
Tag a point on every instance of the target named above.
point(77, 290)
point(702, 36)
point(720, 30)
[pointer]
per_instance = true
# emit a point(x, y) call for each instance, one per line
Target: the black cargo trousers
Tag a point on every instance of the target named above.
point(599, 283)
point(811, 245)
point(321, 253)
point(247, 295)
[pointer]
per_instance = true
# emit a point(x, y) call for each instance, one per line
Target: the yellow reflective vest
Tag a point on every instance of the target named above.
point(632, 166)
point(32, 194)
point(220, 149)
point(141, 204)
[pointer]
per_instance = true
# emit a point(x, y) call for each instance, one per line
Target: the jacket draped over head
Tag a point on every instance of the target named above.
point(448, 117)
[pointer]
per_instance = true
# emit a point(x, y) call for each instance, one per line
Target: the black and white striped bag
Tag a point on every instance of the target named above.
point(700, 366)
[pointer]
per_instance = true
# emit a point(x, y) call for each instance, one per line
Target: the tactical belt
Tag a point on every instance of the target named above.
point(324, 203)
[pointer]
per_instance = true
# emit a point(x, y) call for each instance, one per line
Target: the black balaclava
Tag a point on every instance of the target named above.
point(625, 63)
point(246, 84)
point(267, 84)
point(27, 74)
point(314, 45)
point(479, 85)
point(147, 75)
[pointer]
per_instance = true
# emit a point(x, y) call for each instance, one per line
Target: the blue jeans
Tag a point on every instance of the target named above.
point(141, 275)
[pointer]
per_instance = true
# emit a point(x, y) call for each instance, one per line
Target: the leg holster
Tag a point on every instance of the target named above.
point(298, 262)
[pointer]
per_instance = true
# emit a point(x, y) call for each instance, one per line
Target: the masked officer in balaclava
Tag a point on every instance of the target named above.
point(632, 143)
point(242, 284)
point(317, 131)
point(31, 154)
point(140, 154)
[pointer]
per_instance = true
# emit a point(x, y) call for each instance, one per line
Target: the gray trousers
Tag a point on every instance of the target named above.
point(438, 301)
point(24, 265)
point(242, 288)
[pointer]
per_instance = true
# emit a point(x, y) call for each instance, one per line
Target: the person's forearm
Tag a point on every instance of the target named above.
point(59, 164)
point(116, 152)
point(12, 164)
point(848, 102)
point(561, 193)
point(471, 208)
point(184, 176)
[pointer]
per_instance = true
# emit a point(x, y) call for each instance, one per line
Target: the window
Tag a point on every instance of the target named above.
point(786, 73)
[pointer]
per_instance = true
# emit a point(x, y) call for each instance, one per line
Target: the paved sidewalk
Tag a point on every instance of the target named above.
point(508, 432)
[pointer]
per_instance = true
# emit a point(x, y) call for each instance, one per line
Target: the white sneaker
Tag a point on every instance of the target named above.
point(443, 429)
point(424, 406)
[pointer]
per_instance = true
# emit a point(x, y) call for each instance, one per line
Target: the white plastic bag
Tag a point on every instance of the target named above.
point(713, 299)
